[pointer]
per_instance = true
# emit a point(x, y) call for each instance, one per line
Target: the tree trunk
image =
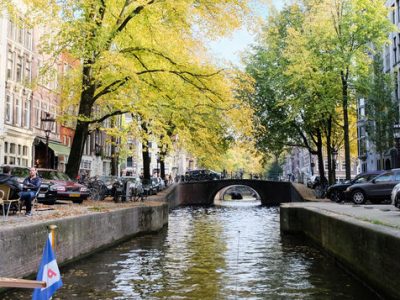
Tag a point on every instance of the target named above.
point(78, 144)
point(331, 164)
point(82, 128)
point(320, 157)
point(345, 96)
point(146, 160)
point(162, 168)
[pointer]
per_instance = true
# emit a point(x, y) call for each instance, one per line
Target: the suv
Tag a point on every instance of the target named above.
point(335, 192)
point(376, 190)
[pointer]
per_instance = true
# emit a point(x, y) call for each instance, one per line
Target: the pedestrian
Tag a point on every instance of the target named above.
point(10, 181)
point(31, 186)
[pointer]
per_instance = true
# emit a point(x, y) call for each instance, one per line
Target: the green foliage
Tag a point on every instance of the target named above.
point(381, 111)
point(146, 58)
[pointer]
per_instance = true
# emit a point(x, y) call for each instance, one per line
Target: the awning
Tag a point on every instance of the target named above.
point(59, 149)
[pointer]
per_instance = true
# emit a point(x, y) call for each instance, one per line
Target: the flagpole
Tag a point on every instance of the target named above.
point(52, 233)
point(21, 283)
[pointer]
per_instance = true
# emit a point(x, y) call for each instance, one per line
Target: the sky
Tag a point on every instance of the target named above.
point(229, 48)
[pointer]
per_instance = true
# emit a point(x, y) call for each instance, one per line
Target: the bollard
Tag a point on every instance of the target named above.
point(52, 231)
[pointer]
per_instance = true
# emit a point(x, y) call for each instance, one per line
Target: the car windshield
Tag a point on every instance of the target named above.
point(53, 175)
point(20, 172)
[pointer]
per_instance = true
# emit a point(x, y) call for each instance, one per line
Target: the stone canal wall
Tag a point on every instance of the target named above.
point(368, 250)
point(21, 247)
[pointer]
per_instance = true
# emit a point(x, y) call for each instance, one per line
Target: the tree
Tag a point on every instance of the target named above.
point(134, 51)
point(381, 110)
point(350, 30)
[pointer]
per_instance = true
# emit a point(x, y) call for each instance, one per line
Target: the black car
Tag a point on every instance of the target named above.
point(45, 195)
point(376, 190)
point(335, 192)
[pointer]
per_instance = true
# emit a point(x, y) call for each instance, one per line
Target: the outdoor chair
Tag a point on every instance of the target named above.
point(34, 202)
point(4, 200)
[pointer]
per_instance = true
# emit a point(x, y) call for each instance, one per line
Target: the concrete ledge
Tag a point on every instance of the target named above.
point(369, 250)
point(21, 247)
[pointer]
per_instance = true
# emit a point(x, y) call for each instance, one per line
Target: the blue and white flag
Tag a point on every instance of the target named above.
point(48, 272)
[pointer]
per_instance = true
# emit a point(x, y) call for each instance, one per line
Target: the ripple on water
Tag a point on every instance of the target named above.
point(222, 252)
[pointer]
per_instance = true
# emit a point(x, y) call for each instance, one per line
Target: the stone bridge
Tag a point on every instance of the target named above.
point(204, 192)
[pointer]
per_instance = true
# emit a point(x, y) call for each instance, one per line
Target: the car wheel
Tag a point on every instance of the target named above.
point(78, 201)
point(336, 196)
point(397, 202)
point(358, 197)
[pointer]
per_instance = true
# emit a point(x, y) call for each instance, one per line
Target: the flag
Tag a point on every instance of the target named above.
point(48, 272)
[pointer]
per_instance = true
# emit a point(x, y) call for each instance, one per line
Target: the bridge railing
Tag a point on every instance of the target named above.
point(235, 175)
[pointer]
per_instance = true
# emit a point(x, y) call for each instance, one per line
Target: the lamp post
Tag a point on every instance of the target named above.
point(334, 159)
point(47, 124)
point(396, 135)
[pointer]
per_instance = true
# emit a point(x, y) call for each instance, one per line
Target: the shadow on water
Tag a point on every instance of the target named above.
point(234, 251)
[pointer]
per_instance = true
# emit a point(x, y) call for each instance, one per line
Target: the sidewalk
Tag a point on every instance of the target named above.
point(65, 209)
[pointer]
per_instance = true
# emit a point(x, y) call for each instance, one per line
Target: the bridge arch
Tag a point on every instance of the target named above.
point(204, 192)
point(236, 192)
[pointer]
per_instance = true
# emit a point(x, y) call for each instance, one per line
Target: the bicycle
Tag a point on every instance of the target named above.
point(97, 188)
point(320, 188)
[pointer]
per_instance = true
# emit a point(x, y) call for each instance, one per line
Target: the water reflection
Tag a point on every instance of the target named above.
point(225, 252)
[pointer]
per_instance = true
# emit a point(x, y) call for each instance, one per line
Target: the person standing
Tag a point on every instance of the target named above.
point(31, 186)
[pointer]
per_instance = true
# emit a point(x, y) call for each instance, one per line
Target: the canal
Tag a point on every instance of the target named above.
point(233, 251)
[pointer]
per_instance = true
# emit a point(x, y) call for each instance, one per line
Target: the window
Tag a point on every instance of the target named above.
point(37, 113)
point(398, 9)
point(27, 113)
point(393, 14)
point(10, 29)
point(18, 107)
point(12, 148)
point(385, 177)
point(9, 109)
point(19, 150)
point(5, 147)
point(20, 34)
point(10, 63)
point(28, 72)
point(18, 73)
point(24, 150)
point(28, 39)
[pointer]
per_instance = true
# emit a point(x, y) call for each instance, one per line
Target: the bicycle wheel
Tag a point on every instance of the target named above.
point(319, 191)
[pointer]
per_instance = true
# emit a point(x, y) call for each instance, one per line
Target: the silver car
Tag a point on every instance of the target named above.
point(395, 196)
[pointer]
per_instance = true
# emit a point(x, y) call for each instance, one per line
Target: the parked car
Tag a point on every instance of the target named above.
point(58, 186)
point(149, 187)
point(127, 188)
point(312, 181)
point(335, 192)
point(395, 196)
point(22, 172)
point(376, 190)
point(202, 174)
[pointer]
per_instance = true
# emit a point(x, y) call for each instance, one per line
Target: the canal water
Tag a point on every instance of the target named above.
point(234, 251)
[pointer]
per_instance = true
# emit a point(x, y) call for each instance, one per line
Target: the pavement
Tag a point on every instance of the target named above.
point(378, 214)
point(385, 214)
point(64, 209)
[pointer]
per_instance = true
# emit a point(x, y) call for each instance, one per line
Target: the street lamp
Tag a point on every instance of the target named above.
point(47, 124)
point(396, 135)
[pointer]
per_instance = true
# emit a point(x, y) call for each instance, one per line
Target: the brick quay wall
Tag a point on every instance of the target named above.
point(21, 246)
